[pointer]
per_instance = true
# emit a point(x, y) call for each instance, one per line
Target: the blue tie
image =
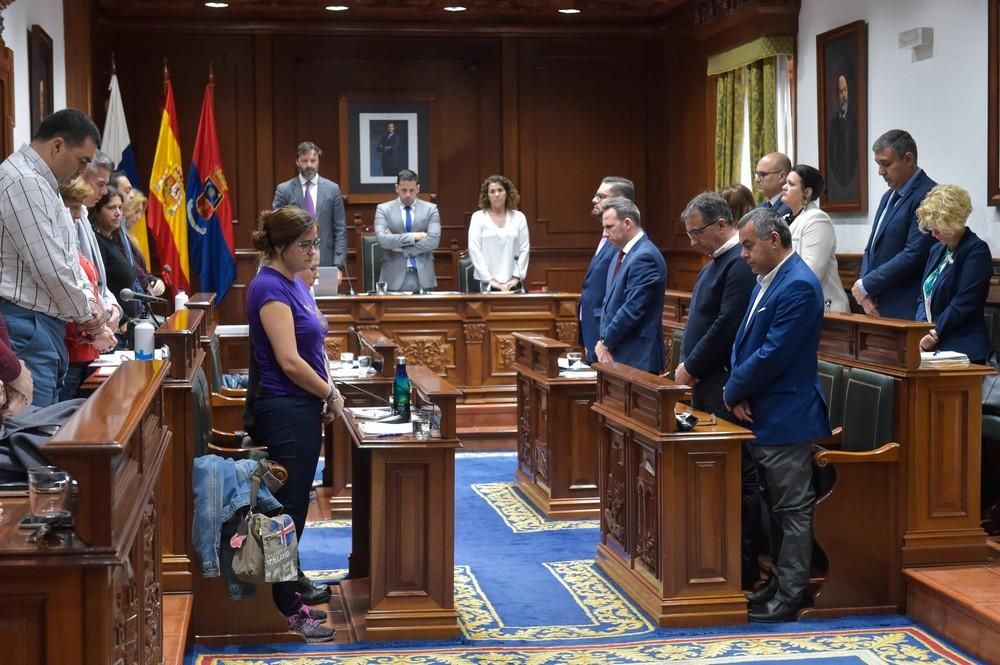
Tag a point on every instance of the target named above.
point(410, 261)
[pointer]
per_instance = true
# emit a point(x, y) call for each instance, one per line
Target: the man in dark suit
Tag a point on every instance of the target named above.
point(320, 198)
point(389, 148)
point(896, 254)
point(774, 387)
point(772, 169)
point(632, 314)
point(596, 278)
point(718, 302)
point(842, 147)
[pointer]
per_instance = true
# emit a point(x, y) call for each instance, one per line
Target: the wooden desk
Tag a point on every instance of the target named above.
point(670, 502)
point(94, 597)
point(400, 584)
point(939, 428)
point(556, 455)
point(337, 444)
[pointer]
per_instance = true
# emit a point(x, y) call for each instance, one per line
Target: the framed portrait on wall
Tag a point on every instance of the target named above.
point(39, 75)
point(380, 137)
point(842, 86)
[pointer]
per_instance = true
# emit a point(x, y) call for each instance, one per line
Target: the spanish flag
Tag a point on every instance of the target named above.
point(210, 211)
point(167, 214)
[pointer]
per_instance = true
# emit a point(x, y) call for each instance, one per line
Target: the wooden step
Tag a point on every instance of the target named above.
point(176, 622)
point(960, 603)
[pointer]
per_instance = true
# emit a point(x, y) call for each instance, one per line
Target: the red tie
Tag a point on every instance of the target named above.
point(618, 264)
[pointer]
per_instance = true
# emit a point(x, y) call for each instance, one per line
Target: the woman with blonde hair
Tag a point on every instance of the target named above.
point(132, 211)
point(956, 278)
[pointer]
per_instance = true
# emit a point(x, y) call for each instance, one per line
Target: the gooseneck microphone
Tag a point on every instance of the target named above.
point(362, 390)
point(128, 295)
point(347, 276)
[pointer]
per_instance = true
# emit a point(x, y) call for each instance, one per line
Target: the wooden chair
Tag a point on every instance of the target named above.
point(857, 518)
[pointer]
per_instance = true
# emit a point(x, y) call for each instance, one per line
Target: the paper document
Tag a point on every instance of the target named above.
point(386, 429)
point(370, 412)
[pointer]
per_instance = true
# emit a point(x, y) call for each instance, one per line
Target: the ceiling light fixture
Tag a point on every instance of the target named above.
point(569, 10)
point(217, 5)
point(337, 8)
point(455, 8)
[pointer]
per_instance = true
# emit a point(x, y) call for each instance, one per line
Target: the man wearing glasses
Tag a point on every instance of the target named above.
point(595, 279)
point(770, 176)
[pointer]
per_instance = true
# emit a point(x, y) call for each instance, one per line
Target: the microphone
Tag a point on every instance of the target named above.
point(128, 295)
point(350, 284)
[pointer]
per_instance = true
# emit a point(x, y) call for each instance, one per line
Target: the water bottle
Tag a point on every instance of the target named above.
point(180, 300)
point(401, 390)
point(143, 340)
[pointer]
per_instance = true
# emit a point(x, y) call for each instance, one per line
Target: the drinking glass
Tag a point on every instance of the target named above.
point(484, 286)
point(381, 288)
point(49, 493)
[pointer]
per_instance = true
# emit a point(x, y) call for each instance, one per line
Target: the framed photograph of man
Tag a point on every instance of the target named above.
point(39, 76)
point(379, 138)
point(842, 87)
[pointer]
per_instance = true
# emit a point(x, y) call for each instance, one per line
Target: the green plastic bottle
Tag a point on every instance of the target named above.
point(401, 389)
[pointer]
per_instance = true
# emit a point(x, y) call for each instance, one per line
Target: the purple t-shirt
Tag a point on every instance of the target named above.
point(310, 329)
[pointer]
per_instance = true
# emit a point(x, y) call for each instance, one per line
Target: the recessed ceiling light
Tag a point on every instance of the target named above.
point(216, 5)
point(455, 8)
point(569, 11)
point(337, 8)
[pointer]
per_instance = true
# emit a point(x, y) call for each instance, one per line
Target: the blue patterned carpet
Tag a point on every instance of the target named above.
point(562, 609)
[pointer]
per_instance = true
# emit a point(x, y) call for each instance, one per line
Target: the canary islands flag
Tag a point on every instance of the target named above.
point(167, 214)
point(117, 143)
point(209, 208)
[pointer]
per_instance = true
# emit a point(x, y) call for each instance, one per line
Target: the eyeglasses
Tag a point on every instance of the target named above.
point(694, 233)
point(600, 197)
point(763, 174)
point(308, 245)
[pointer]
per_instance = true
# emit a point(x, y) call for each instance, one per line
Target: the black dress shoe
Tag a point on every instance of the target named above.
point(311, 594)
point(765, 593)
point(774, 611)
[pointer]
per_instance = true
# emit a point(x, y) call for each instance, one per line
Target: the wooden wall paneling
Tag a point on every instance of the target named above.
point(6, 100)
point(78, 56)
point(582, 117)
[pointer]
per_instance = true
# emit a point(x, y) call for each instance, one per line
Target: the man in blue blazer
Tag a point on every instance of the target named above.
point(770, 174)
point(588, 308)
point(774, 387)
point(896, 254)
point(632, 314)
point(319, 197)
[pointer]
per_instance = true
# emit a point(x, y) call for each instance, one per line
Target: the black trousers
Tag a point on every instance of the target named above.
point(786, 473)
point(292, 428)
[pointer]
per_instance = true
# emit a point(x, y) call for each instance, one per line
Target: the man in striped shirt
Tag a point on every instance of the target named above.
point(41, 283)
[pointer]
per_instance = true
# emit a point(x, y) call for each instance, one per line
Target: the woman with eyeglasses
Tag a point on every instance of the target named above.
point(813, 237)
point(295, 395)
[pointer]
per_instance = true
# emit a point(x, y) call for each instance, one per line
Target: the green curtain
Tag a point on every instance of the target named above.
point(763, 92)
point(730, 91)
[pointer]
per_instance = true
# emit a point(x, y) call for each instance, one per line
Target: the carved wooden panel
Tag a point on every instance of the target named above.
point(706, 513)
point(23, 629)
point(431, 349)
point(406, 526)
point(125, 611)
point(541, 442)
point(525, 408)
point(583, 438)
point(501, 347)
point(647, 503)
point(613, 518)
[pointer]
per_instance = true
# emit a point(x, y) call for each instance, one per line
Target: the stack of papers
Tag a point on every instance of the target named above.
point(116, 358)
point(585, 373)
point(342, 372)
point(386, 429)
point(575, 366)
point(931, 359)
point(370, 412)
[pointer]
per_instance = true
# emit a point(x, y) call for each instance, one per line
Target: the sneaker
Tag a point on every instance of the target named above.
point(315, 615)
point(310, 629)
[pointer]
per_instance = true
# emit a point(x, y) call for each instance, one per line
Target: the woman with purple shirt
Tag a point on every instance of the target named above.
point(295, 395)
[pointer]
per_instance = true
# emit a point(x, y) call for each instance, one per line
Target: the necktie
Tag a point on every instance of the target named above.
point(310, 202)
point(885, 213)
point(618, 264)
point(410, 261)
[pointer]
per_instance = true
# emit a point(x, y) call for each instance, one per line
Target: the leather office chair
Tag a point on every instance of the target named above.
point(207, 439)
point(371, 262)
point(467, 282)
point(831, 379)
point(990, 495)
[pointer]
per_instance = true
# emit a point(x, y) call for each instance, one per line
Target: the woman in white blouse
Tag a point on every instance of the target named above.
point(498, 236)
point(813, 237)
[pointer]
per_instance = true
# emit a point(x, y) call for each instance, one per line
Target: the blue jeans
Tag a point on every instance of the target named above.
point(39, 340)
point(292, 429)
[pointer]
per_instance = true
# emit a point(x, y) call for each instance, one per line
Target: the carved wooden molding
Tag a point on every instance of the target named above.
point(475, 332)
point(710, 11)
